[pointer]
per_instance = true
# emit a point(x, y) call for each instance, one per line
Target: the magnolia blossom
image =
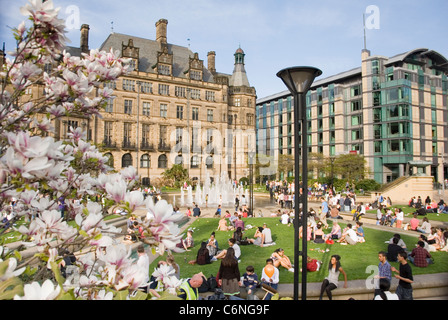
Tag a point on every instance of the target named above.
point(10, 271)
point(135, 200)
point(37, 170)
point(163, 272)
point(116, 191)
point(34, 291)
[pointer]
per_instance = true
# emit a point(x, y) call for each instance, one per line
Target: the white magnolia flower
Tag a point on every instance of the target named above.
point(135, 199)
point(11, 271)
point(33, 291)
point(116, 190)
point(162, 272)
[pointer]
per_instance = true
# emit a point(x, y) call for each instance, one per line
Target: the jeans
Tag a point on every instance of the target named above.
point(273, 286)
point(404, 294)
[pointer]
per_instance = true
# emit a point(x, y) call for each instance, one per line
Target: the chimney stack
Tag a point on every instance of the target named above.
point(161, 30)
point(85, 38)
point(211, 61)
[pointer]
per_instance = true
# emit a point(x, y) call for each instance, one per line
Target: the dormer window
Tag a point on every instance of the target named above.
point(195, 75)
point(164, 69)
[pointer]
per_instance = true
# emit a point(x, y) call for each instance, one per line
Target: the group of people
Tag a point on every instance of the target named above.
point(428, 206)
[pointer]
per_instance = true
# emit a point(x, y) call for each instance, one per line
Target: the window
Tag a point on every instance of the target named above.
point(164, 69)
point(110, 159)
point(237, 102)
point(180, 112)
point(356, 120)
point(195, 75)
point(375, 67)
point(126, 160)
point(146, 87)
point(145, 134)
point(180, 92)
point(108, 132)
point(146, 108)
point(163, 110)
point(356, 134)
point(128, 106)
point(394, 145)
point(194, 162)
point(250, 119)
point(209, 162)
point(164, 89)
point(394, 128)
point(356, 105)
point(195, 94)
point(195, 147)
point(378, 146)
point(111, 84)
point(179, 159)
point(110, 105)
point(127, 133)
point(355, 90)
point(128, 85)
point(209, 115)
point(145, 161)
point(209, 96)
point(162, 162)
point(195, 113)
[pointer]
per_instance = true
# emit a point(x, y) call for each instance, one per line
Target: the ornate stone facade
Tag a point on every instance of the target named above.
point(172, 109)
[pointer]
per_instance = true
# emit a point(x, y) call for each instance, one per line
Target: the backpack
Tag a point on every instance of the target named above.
point(204, 286)
point(212, 283)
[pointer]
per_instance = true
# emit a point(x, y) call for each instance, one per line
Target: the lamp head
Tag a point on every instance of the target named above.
point(298, 79)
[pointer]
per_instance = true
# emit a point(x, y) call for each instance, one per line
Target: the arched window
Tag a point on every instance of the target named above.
point(126, 160)
point(179, 159)
point(110, 161)
point(209, 162)
point(145, 161)
point(162, 161)
point(194, 161)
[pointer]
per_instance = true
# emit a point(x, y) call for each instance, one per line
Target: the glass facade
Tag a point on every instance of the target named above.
point(391, 111)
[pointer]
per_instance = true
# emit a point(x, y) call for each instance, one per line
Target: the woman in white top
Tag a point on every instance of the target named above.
point(426, 226)
point(331, 282)
point(385, 294)
point(400, 217)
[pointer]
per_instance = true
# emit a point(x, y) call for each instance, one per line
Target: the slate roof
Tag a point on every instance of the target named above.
point(148, 54)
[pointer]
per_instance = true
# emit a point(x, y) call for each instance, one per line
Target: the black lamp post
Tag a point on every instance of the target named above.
point(298, 80)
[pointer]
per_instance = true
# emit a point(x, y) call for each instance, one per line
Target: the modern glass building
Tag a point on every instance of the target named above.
point(391, 110)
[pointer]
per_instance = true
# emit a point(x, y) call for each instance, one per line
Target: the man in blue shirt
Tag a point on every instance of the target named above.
point(384, 270)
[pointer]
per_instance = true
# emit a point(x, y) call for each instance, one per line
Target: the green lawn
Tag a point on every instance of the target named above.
point(354, 259)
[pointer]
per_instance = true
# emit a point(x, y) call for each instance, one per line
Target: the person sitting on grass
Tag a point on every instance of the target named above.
point(258, 237)
point(349, 236)
point(280, 259)
point(336, 232)
point(419, 256)
point(222, 226)
point(312, 265)
point(360, 232)
point(232, 244)
point(318, 235)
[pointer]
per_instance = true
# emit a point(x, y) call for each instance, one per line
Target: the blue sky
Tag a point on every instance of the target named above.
point(273, 34)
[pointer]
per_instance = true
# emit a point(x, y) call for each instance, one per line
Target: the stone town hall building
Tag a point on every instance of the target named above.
point(172, 109)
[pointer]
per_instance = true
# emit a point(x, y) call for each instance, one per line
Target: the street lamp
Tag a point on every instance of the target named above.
point(298, 80)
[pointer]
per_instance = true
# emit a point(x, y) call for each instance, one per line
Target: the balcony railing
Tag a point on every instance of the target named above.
point(127, 145)
point(163, 146)
point(146, 146)
point(109, 144)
